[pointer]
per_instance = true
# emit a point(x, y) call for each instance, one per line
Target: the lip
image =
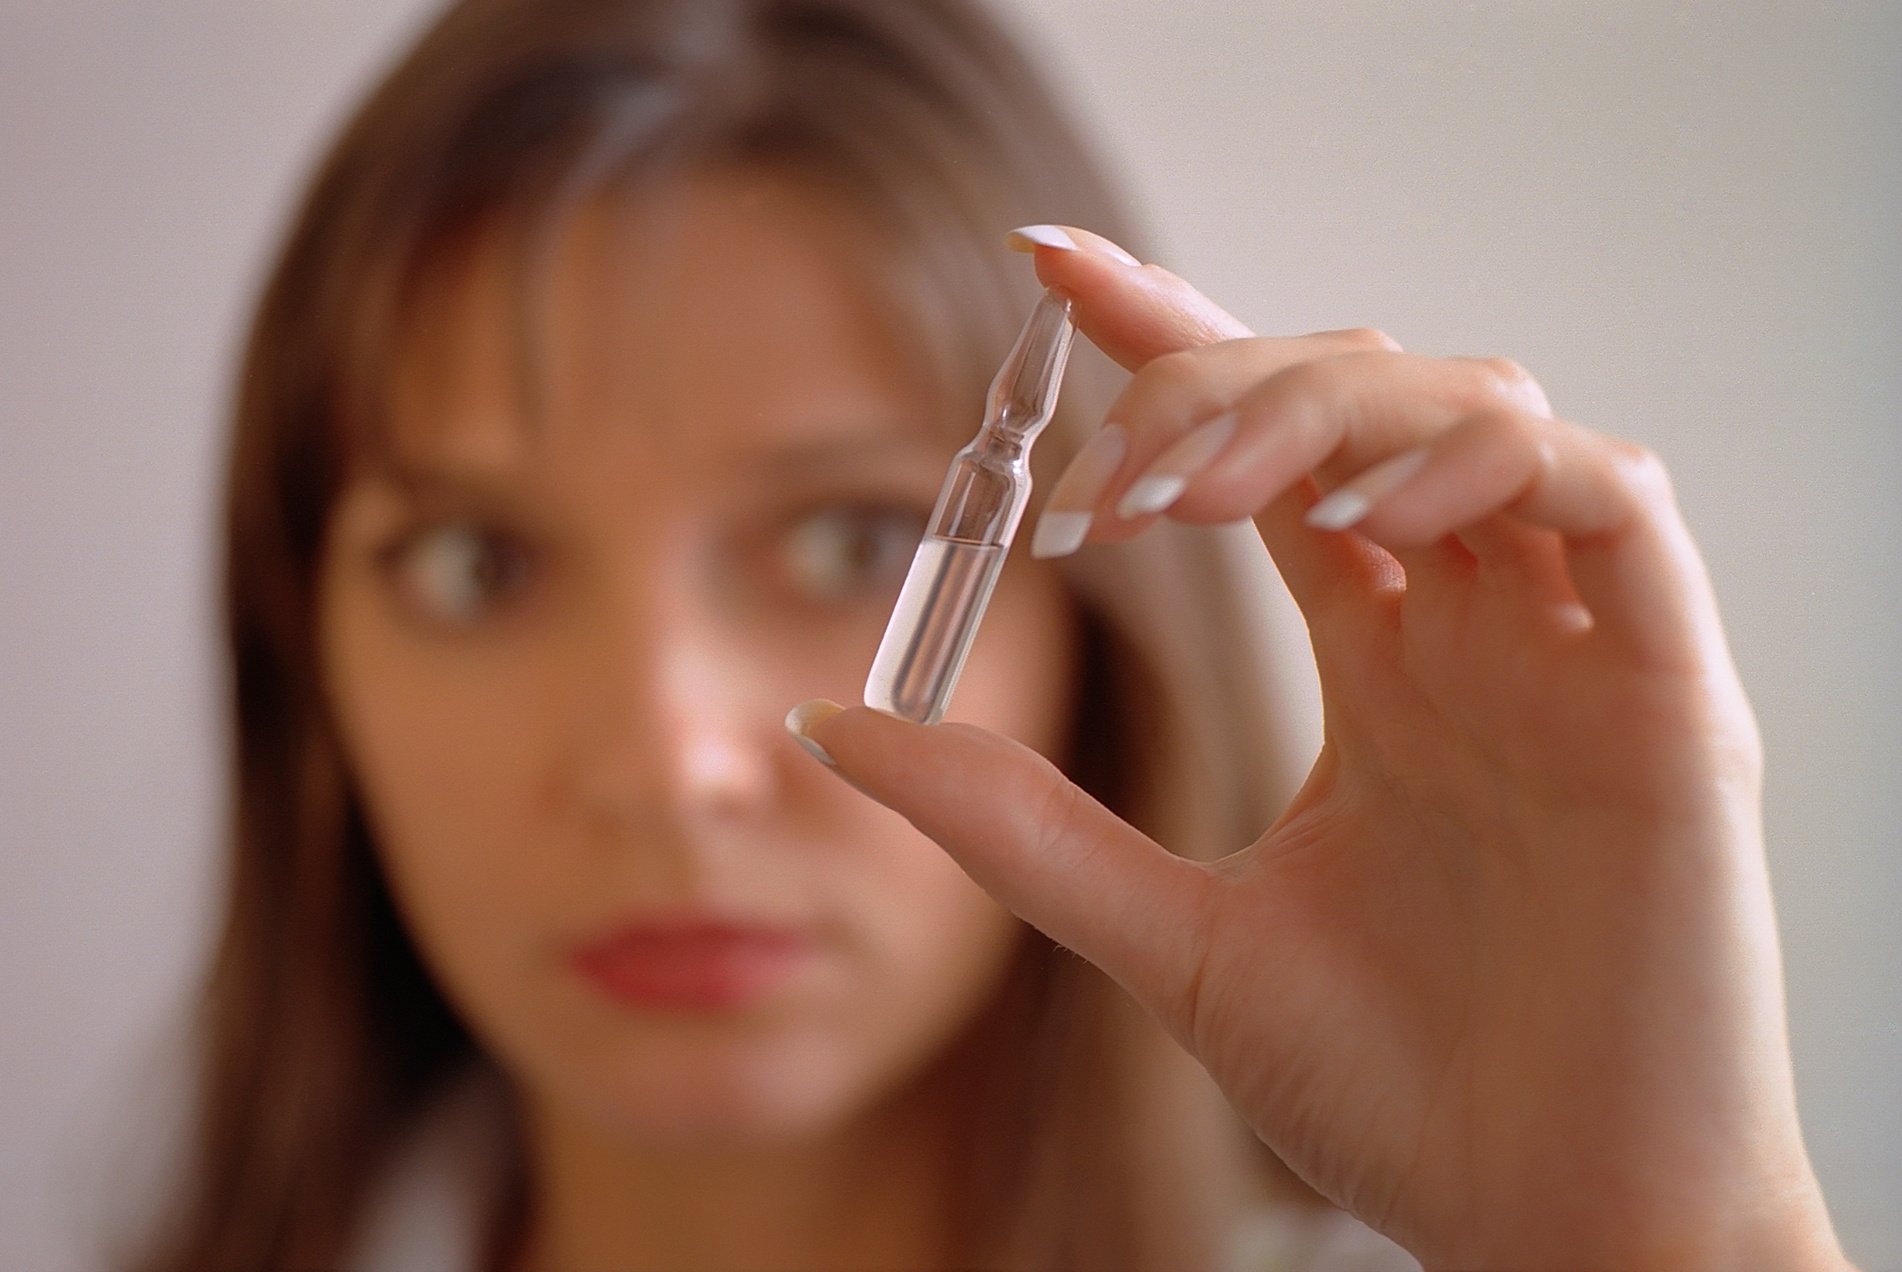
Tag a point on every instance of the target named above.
point(696, 963)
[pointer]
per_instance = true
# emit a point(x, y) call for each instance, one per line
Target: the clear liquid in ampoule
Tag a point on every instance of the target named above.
point(932, 627)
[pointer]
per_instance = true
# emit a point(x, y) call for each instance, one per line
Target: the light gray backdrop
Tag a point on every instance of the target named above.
point(1682, 216)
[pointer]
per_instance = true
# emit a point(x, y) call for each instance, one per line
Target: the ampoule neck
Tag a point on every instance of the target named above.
point(998, 444)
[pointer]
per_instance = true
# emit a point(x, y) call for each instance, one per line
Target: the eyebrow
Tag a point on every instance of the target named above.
point(825, 454)
point(414, 476)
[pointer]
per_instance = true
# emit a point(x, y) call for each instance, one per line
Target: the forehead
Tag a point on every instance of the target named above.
point(696, 324)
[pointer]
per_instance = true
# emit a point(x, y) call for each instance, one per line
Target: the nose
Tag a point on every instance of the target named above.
point(670, 723)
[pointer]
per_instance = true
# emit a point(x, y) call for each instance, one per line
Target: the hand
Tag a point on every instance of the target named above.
point(1503, 979)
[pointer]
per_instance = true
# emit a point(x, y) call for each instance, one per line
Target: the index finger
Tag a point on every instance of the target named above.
point(1132, 312)
point(1137, 313)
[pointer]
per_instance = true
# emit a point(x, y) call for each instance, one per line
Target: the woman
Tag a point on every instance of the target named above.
point(589, 419)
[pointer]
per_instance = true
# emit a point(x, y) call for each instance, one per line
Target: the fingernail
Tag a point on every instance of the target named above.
point(1027, 238)
point(1167, 476)
point(1346, 506)
point(803, 717)
point(1067, 514)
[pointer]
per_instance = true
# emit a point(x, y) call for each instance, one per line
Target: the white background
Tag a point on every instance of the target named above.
point(1686, 219)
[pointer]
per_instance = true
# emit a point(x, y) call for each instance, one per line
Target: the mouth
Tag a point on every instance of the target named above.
point(692, 963)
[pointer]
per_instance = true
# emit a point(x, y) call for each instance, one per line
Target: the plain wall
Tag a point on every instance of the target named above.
point(1684, 218)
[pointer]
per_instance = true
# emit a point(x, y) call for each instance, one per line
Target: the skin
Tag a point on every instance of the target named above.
point(559, 658)
point(1503, 979)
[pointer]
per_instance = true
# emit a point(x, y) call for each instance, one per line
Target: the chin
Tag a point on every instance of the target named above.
point(723, 1096)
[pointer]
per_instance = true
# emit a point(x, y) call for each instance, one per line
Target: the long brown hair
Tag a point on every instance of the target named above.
point(321, 1034)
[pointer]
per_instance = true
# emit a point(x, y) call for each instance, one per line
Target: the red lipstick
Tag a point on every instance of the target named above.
point(691, 964)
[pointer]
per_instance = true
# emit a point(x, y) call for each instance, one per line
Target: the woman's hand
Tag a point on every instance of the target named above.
point(1503, 980)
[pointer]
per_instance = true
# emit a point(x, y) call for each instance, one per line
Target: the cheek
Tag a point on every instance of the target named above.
point(440, 755)
point(929, 950)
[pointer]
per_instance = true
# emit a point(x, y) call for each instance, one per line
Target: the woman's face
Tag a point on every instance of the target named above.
point(560, 652)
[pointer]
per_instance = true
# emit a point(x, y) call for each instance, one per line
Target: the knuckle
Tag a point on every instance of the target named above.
point(1170, 384)
point(1173, 372)
point(1508, 372)
point(1505, 430)
point(1518, 430)
point(1545, 455)
point(1058, 802)
point(1320, 377)
point(1323, 388)
point(1507, 424)
point(1369, 338)
point(1640, 473)
point(1513, 383)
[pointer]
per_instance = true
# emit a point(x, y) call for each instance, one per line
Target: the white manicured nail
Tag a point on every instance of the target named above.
point(1066, 517)
point(1339, 510)
point(1168, 475)
point(803, 717)
point(1059, 533)
point(1151, 494)
point(1026, 237)
point(1346, 506)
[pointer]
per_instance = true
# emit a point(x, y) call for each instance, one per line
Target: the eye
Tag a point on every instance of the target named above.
point(843, 552)
point(456, 572)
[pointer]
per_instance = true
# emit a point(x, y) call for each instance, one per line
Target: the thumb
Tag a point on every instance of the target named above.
point(1034, 840)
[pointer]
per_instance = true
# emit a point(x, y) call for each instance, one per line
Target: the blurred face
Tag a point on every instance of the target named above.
point(560, 653)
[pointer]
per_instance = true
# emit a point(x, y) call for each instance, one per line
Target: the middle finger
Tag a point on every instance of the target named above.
point(1332, 417)
point(1176, 414)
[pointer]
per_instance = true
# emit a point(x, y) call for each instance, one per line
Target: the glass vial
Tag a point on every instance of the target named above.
point(978, 509)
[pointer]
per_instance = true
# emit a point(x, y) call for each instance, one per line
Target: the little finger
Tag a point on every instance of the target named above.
point(1627, 554)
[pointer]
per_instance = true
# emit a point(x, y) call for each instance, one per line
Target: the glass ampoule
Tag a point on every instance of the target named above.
point(962, 553)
